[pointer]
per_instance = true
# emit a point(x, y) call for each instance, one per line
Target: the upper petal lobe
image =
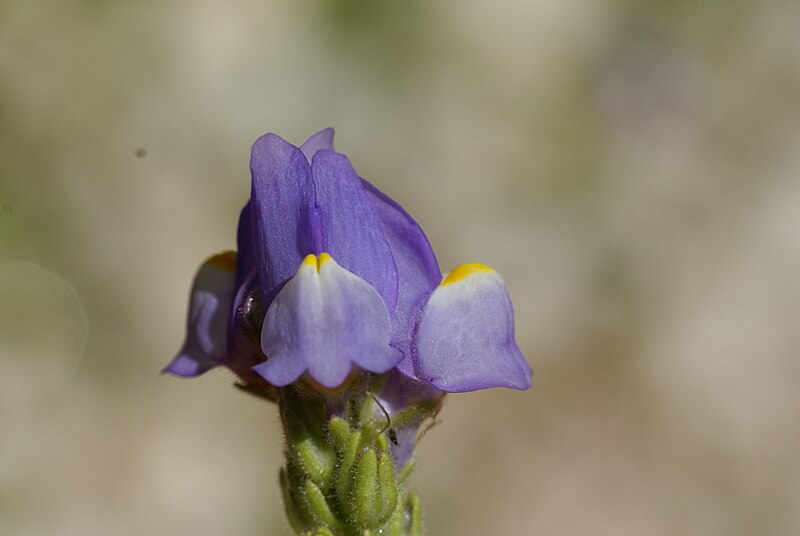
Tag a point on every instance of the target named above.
point(351, 232)
point(417, 270)
point(282, 191)
point(321, 141)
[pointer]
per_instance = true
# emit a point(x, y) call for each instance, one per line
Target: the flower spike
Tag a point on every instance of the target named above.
point(335, 309)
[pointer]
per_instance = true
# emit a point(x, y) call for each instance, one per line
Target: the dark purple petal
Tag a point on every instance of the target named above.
point(281, 193)
point(350, 230)
point(465, 338)
point(325, 320)
point(417, 270)
point(185, 365)
point(243, 333)
point(244, 243)
point(321, 141)
point(206, 341)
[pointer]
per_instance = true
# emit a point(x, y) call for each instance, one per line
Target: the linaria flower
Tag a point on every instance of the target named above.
point(333, 277)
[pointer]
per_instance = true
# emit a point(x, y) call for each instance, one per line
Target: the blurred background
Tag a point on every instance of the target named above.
point(632, 168)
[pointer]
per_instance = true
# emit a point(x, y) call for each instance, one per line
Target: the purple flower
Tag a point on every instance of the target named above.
point(332, 277)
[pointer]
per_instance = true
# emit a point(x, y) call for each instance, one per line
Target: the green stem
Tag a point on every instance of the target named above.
point(340, 478)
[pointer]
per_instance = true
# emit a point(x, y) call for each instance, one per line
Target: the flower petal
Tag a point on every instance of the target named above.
point(417, 270)
point(324, 320)
point(297, 210)
point(321, 141)
point(244, 348)
point(244, 244)
point(206, 341)
point(281, 193)
point(350, 230)
point(465, 339)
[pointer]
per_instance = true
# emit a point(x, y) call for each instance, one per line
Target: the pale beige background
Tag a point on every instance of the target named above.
point(631, 168)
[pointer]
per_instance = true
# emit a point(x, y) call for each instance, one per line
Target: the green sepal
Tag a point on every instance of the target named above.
point(406, 472)
point(396, 524)
point(415, 413)
point(345, 468)
point(309, 448)
point(387, 489)
point(339, 433)
point(319, 507)
point(322, 531)
point(365, 480)
point(297, 518)
point(394, 527)
point(415, 508)
point(383, 443)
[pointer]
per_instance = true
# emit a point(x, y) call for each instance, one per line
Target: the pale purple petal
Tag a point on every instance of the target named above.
point(210, 304)
point(417, 270)
point(281, 193)
point(465, 338)
point(321, 141)
point(187, 365)
point(351, 232)
point(324, 321)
